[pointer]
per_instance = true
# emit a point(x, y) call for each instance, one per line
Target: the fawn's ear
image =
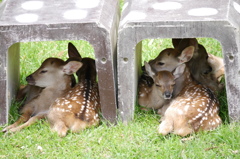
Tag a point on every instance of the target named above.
point(72, 67)
point(186, 54)
point(72, 51)
point(179, 71)
point(149, 69)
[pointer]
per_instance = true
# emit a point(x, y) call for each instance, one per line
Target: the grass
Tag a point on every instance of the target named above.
point(138, 139)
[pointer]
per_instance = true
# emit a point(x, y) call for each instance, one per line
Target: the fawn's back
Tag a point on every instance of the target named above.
point(195, 108)
point(80, 106)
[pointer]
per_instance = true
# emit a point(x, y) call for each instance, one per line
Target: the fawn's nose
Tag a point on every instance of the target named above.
point(167, 95)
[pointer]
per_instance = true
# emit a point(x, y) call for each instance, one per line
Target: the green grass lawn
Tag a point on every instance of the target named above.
point(138, 139)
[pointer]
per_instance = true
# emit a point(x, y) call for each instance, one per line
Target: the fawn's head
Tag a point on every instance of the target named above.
point(169, 59)
point(53, 70)
point(198, 65)
point(163, 80)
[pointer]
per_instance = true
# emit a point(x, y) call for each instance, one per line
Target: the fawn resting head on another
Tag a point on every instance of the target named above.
point(80, 106)
point(167, 60)
point(160, 92)
point(54, 75)
point(202, 68)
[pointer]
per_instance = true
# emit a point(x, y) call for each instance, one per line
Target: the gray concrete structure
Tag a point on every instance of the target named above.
point(177, 19)
point(47, 20)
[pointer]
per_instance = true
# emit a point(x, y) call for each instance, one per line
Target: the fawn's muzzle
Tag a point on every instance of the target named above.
point(167, 95)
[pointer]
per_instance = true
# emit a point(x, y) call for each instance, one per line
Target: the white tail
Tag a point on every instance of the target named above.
point(194, 109)
point(80, 107)
point(54, 75)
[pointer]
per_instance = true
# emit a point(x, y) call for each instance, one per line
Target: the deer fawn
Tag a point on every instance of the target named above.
point(54, 75)
point(80, 106)
point(28, 92)
point(201, 66)
point(167, 60)
point(194, 109)
point(160, 92)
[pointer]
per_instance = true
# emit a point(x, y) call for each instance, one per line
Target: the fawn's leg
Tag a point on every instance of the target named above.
point(27, 112)
point(28, 123)
point(60, 127)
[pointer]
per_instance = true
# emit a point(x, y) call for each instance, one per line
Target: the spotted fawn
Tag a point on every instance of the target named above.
point(54, 76)
point(195, 108)
point(149, 95)
point(80, 106)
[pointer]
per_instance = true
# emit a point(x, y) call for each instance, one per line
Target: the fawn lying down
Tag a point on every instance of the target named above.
point(194, 109)
point(167, 60)
point(204, 67)
point(28, 92)
point(54, 75)
point(160, 92)
point(79, 107)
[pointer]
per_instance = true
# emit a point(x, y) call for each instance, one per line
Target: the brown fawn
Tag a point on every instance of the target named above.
point(54, 75)
point(160, 92)
point(28, 92)
point(202, 68)
point(167, 60)
point(80, 106)
point(195, 108)
point(215, 62)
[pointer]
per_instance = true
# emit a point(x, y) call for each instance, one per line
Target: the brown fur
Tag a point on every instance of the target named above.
point(217, 69)
point(167, 60)
point(80, 106)
point(28, 92)
point(160, 92)
point(54, 75)
point(195, 108)
point(200, 65)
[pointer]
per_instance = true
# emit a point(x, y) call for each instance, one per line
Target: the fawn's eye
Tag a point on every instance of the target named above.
point(158, 85)
point(160, 63)
point(43, 71)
